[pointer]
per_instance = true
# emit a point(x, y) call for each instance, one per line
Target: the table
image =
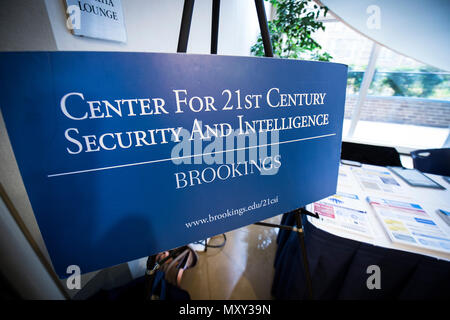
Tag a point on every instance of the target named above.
point(339, 259)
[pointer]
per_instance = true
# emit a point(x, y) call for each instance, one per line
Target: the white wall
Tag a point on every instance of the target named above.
point(154, 25)
point(20, 264)
point(24, 25)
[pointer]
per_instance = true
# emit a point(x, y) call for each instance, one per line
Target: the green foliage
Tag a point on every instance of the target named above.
point(422, 83)
point(398, 83)
point(354, 80)
point(291, 31)
point(429, 81)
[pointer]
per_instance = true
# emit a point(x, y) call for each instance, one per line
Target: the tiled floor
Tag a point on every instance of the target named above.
point(242, 269)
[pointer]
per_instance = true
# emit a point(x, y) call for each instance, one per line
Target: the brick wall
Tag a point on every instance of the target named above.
point(415, 111)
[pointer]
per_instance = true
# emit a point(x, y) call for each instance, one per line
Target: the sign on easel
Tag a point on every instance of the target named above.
point(124, 155)
point(101, 19)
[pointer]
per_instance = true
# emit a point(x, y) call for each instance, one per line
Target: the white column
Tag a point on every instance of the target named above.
point(367, 80)
point(447, 141)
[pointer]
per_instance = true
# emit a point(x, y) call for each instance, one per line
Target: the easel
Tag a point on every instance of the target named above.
point(301, 238)
point(182, 47)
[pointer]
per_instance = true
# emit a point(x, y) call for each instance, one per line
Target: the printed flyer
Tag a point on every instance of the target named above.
point(344, 211)
point(410, 224)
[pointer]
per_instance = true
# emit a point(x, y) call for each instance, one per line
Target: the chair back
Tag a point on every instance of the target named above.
point(435, 161)
point(370, 154)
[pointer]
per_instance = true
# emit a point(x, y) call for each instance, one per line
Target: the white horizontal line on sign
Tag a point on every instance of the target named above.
point(185, 157)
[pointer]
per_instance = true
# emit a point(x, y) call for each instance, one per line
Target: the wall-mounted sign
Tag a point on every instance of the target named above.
point(124, 155)
point(101, 19)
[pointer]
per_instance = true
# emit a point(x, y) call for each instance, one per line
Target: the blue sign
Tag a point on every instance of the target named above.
point(124, 155)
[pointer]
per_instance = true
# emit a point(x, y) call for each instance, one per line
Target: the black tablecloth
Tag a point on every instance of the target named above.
point(339, 269)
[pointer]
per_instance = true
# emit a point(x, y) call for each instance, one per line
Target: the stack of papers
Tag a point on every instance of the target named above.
point(408, 223)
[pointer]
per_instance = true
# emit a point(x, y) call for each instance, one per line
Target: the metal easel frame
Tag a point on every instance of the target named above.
point(301, 238)
point(262, 19)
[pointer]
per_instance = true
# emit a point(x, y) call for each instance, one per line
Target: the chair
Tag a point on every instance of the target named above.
point(370, 154)
point(435, 161)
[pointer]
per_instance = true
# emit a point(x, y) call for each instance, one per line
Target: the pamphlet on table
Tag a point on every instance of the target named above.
point(373, 180)
point(409, 224)
point(344, 211)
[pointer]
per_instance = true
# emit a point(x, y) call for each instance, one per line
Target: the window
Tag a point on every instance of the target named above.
point(346, 46)
point(407, 104)
point(397, 75)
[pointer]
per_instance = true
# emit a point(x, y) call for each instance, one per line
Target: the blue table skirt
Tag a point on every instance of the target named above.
point(338, 269)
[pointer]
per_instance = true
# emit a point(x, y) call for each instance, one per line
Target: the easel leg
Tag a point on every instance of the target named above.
point(260, 10)
point(186, 19)
point(215, 26)
point(301, 238)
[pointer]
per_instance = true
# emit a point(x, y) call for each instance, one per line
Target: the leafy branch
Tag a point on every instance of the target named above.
point(291, 31)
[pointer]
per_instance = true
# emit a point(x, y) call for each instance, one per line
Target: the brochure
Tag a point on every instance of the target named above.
point(410, 224)
point(377, 180)
point(344, 211)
